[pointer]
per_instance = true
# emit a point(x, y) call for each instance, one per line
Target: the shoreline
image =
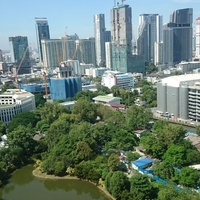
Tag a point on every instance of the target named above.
point(38, 174)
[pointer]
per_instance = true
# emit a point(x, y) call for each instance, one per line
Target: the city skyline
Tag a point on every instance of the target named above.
point(76, 16)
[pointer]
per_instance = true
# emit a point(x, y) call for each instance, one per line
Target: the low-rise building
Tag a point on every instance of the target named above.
point(142, 163)
point(107, 100)
point(14, 101)
point(116, 78)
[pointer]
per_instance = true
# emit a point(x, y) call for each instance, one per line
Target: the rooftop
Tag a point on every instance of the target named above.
point(106, 99)
point(175, 81)
point(142, 161)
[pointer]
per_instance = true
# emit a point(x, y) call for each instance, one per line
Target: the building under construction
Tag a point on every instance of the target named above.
point(65, 85)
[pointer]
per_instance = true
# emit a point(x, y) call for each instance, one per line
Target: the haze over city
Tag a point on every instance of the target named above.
point(77, 16)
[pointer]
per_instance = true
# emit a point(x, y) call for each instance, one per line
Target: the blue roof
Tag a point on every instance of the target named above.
point(143, 161)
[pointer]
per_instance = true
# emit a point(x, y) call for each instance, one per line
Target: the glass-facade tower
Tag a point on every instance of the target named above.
point(18, 49)
point(42, 33)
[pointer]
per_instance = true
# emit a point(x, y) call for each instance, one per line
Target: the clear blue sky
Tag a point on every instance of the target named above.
point(17, 16)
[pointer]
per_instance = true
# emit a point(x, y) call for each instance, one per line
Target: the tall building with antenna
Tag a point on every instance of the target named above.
point(42, 33)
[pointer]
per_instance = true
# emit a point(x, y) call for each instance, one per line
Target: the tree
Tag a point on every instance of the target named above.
point(51, 111)
point(190, 177)
point(138, 117)
point(83, 150)
point(164, 170)
point(23, 119)
point(22, 137)
point(2, 128)
point(59, 168)
point(113, 162)
point(141, 188)
point(85, 111)
point(39, 100)
point(198, 130)
point(118, 182)
point(175, 155)
point(132, 156)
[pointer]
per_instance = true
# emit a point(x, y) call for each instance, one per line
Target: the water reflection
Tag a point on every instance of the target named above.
point(23, 185)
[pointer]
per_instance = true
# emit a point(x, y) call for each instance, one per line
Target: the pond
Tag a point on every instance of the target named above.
point(24, 186)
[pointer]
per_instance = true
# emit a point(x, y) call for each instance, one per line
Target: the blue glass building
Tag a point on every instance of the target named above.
point(64, 88)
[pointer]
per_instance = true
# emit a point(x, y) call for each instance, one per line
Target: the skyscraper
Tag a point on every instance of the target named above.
point(121, 37)
point(150, 32)
point(1, 56)
point(52, 53)
point(42, 33)
point(198, 37)
point(99, 30)
point(177, 37)
point(18, 49)
point(87, 51)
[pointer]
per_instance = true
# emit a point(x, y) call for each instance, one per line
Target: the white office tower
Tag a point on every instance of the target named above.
point(158, 53)
point(99, 29)
point(116, 78)
point(198, 37)
point(150, 32)
point(108, 47)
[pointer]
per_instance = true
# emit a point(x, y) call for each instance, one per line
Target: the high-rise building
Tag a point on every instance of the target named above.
point(18, 49)
point(121, 37)
point(108, 46)
point(42, 33)
point(87, 53)
point(1, 56)
point(107, 36)
point(177, 37)
point(99, 30)
point(198, 37)
point(150, 32)
point(69, 46)
point(52, 53)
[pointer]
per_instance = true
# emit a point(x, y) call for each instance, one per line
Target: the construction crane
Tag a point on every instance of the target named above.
point(19, 66)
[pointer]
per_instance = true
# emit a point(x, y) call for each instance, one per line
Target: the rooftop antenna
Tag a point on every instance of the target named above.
point(114, 3)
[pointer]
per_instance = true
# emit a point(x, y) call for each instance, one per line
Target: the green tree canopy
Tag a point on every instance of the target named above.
point(138, 117)
point(23, 119)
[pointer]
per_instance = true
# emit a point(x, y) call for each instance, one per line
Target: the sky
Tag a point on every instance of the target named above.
point(17, 16)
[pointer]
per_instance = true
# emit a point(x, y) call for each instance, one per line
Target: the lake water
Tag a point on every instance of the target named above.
point(24, 186)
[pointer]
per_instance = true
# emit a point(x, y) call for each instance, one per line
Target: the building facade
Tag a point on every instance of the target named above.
point(108, 47)
point(18, 49)
point(64, 88)
point(197, 37)
point(99, 31)
point(177, 37)
point(15, 101)
point(176, 94)
point(121, 37)
point(52, 54)
point(150, 32)
point(116, 78)
point(87, 52)
point(42, 33)
point(1, 56)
